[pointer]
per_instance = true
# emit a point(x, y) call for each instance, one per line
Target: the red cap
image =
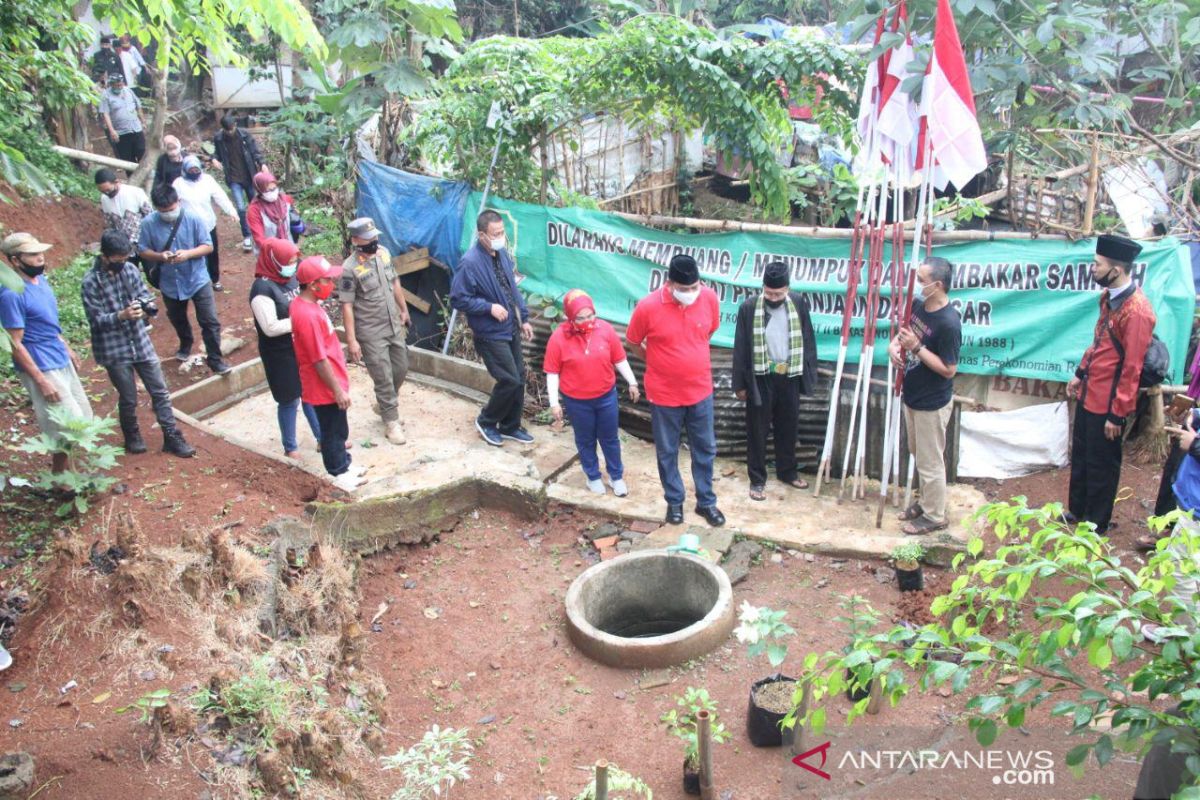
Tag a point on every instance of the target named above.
point(314, 268)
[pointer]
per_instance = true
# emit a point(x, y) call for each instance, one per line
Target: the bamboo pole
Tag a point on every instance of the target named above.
point(95, 158)
point(704, 746)
point(815, 232)
point(635, 192)
point(1089, 211)
point(601, 780)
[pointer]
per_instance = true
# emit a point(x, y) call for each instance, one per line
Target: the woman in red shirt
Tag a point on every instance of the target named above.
point(269, 214)
point(582, 357)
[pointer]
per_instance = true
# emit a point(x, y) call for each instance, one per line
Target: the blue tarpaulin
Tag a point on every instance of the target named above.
point(413, 210)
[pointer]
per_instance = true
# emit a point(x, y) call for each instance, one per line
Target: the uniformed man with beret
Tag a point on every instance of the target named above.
point(376, 320)
point(1106, 382)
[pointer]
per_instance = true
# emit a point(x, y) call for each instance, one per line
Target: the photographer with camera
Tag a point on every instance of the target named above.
point(116, 302)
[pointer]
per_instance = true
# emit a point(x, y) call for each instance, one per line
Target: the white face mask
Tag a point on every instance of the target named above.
point(498, 244)
point(918, 293)
point(170, 216)
point(684, 298)
point(271, 196)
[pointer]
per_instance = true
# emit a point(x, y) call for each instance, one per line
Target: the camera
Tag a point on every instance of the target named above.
point(148, 306)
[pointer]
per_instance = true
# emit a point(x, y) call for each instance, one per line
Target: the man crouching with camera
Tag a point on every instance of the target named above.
point(117, 302)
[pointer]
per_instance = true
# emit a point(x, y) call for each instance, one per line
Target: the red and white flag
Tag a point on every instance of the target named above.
point(868, 102)
point(898, 115)
point(948, 109)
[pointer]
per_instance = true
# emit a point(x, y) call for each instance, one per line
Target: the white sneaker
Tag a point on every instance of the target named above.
point(394, 432)
point(619, 488)
point(247, 244)
point(596, 486)
point(348, 481)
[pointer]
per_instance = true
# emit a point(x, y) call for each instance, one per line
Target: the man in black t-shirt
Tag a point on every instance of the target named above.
point(927, 351)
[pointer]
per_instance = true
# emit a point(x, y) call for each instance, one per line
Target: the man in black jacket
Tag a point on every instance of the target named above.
point(236, 152)
point(774, 362)
point(105, 62)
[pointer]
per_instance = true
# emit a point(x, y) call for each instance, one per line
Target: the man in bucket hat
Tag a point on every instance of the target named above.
point(44, 361)
point(1106, 383)
point(376, 319)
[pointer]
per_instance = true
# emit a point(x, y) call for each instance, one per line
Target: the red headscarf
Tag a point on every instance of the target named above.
point(272, 256)
point(574, 302)
point(276, 211)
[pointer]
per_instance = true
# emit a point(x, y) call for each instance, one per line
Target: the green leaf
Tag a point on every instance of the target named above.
point(1122, 643)
point(1099, 654)
point(776, 653)
point(985, 734)
point(1077, 755)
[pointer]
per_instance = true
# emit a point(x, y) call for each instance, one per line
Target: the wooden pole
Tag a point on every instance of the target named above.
point(107, 161)
point(1089, 210)
point(704, 742)
point(601, 780)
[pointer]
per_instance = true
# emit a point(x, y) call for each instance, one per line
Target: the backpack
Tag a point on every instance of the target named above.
point(1155, 365)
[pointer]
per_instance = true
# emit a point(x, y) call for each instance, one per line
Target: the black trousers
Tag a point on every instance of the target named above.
point(779, 412)
point(213, 259)
point(335, 430)
point(122, 377)
point(131, 146)
point(1166, 501)
point(1095, 470)
point(506, 364)
point(206, 316)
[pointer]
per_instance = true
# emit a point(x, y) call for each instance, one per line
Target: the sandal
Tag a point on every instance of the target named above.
point(923, 525)
point(797, 483)
point(1146, 543)
point(757, 493)
point(912, 512)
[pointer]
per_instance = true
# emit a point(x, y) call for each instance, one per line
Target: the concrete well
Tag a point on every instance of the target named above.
point(650, 609)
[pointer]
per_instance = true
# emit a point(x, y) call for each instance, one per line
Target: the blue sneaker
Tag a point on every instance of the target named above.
point(519, 435)
point(489, 433)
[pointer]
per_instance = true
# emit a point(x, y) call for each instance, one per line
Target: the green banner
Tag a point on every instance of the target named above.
point(1028, 307)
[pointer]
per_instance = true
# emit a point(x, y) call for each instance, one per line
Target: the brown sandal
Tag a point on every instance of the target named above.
point(912, 512)
point(798, 483)
point(757, 493)
point(923, 525)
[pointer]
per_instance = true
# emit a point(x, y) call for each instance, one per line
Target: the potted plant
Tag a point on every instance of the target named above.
point(764, 630)
point(906, 558)
point(681, 722)
point(620, 785)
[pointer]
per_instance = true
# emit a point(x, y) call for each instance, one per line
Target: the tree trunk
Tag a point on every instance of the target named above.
point(143, 174)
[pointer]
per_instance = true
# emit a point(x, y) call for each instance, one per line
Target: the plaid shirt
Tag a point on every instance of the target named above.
point(116, 341)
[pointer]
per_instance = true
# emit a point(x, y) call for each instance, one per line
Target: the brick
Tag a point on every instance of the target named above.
point(605, 542)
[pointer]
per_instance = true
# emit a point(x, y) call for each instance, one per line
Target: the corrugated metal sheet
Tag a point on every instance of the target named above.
point(730, 415)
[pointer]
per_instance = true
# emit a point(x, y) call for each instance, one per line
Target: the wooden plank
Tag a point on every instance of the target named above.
point(416, 254)
point(412, 266)
point(416, 302)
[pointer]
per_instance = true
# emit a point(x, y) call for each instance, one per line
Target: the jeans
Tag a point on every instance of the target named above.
point(506, 364)
point(242, 193)
point(335, 430)
point(668, 422)
point(206, 317)
point(594, 421)
point(286, 412)
point(122, 377)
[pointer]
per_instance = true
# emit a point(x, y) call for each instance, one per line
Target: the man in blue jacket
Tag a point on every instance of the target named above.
point(485, 289)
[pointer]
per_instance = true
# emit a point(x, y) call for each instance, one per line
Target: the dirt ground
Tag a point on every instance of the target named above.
point(494, 657)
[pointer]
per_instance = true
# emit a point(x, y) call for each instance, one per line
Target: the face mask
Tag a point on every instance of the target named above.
point(113, 193)
point(497, 244)
point(174, 154)
point(193, 176)
point(322, 291)
point(288, 271)
point(169, 216)
point(1107, 280)
point(116, 90)
point(587, 326)
point(918, 293)
point(684, 298)
point(32, 272)
point(368, 249)
point(774, 303)
point(271, 196)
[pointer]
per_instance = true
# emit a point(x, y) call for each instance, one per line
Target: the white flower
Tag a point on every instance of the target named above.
point(748, 613)
point(747, 634)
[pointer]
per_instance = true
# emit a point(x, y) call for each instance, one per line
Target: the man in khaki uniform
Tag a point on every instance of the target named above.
point(376, 319)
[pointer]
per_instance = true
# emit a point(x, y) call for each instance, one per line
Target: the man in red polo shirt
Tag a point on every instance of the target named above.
point(1106, 383)
point(673, 326)
point(324, 383)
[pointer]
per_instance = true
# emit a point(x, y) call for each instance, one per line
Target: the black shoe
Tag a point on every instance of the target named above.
point(519, 435)
point(712, 515)
point(221, 368)
point(134, 443)
point(176, 445)
point(674, 515)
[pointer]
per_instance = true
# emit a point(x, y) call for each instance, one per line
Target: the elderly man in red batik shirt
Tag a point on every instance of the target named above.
point(1106, 383)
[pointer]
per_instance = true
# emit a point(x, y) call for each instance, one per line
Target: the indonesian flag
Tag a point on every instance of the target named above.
point(898, 116)
point(948, 108)
point(868, 102)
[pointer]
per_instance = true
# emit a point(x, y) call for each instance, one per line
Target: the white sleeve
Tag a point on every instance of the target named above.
point(264, 313)
point(552, 388)
point(222, 200)
point(626, 372)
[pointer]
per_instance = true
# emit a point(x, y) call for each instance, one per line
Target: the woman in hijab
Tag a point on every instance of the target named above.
point(268, 215)
point(271, 294)
point(582, 357)
point(170, 163)
point(199, 191)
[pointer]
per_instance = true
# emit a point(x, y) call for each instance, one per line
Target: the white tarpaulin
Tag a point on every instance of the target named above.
point(1008, 444)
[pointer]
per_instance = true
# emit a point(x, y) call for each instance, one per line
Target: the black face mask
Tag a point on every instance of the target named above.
point(114, 266)
point(774, 303)
point(1107, 280)
point(368, 249)
point(113, 193)
point(32, 272)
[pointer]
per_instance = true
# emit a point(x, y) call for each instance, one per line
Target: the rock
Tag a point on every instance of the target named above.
point(884, 575)
point(944, 691)
point(603, 530)
point(810, 558)
point(633, 537)
point(739, 558)
point(410, 584)
point(644, 526)
point(776, 558)
point(624, 546)
point(655, 678)
point(619, 695)
point(488, 720)
point(16, 776)
point(821, 584)
point(494, 665)
point(230, 344)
